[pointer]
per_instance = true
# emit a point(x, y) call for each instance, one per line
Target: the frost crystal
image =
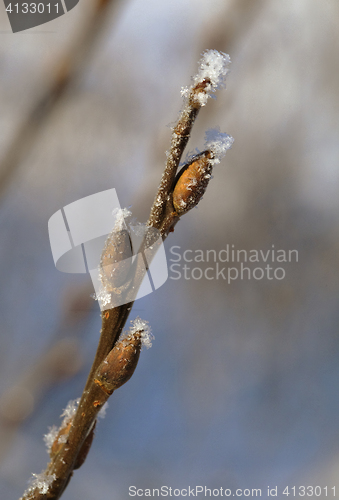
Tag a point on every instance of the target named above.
point(120, 215)
point(103, 297)
point(50, 437)
point(69, 412)
point(213, 69)
point(42, 482)
point(141, 326)
point(213, 66)
point(102, 412)
point(218, 142)
point(184, 93)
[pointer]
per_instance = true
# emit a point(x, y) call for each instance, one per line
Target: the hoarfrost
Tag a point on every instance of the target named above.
point(120, 215)
point(103, 297)
point(213, 66)
point(190, 155)
point(141, 326)
point(53, 431)
point(218, 142)
point(42, 482)
point(184, 91)
point(102, 412)
point(69, 412)
point(50, 437)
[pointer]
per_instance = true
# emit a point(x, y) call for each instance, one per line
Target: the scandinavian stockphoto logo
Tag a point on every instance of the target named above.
point(24, 15)
point(78, 234)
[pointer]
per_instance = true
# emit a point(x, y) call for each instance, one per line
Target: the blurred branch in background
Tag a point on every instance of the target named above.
point(226, 30)
point(61, 361)
point(64, 75)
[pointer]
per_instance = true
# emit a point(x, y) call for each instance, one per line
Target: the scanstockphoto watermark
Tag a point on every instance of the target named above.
point(230, 263)
point(194, 491)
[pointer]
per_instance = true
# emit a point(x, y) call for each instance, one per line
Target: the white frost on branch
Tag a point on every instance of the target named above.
point(213, 68)
point(103, 297)
point(69, 412)
point(217, 142)
point(142, 327)
point(50, 437)
point(185, 91)
point(120, 215)
point(42, 482)
point(102, 412)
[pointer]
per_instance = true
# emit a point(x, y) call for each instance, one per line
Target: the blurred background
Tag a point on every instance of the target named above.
point(241, 386)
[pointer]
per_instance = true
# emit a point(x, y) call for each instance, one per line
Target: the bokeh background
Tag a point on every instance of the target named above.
point(241, 386)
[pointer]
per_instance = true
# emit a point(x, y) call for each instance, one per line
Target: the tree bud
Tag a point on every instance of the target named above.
point(116, 260)
point(192, 183)
point(119, 365)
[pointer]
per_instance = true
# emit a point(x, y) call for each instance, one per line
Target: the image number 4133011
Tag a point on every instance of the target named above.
point(23, 15)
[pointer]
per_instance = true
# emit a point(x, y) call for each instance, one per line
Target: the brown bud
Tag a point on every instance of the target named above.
point(60, 440)
point(119, 365)
point(115, 260)
point(192, 182)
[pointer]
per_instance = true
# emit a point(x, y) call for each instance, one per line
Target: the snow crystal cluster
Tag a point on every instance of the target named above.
point(213, 68)
point(68, 414)
point(102, 412)
point(218, 142)
point(50, 437)
point(142, 327)
point(120, 215)
point(42, 482)
point(103, 297)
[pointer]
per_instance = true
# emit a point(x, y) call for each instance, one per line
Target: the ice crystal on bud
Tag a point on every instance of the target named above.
point(214, 68)
point(102, 412)
point(50, 437)
point(103, 297)
point(57, 436)
point(120, 215)
point(41, 482)
point(142, 327)
point(69, 412)
point(218, 143)
point(184, 91)
point(120, 363)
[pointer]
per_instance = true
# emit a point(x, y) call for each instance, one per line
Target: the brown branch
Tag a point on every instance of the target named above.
point(115, 361)
point(162, 206)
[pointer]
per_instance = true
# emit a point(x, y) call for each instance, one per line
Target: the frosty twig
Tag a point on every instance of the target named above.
point(213, 68)
point(115, 359)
